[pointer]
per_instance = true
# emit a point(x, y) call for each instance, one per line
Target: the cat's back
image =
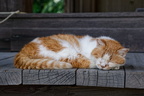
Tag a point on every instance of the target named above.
point(60, 41)
point(53, 40)
point(57, 39)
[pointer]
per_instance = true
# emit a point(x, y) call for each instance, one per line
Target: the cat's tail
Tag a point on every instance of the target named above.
point(24, 62)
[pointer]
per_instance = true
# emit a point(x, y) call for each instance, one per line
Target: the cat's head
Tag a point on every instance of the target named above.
point(109, 54)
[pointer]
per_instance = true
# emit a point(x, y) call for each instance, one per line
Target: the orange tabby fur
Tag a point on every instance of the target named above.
point(31, 58)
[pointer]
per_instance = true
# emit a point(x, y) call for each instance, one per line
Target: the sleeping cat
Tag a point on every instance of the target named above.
point(70, 51)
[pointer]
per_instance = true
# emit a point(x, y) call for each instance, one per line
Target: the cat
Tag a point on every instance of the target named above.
point(71, 51)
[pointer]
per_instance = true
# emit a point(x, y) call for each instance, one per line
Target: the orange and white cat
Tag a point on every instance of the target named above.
point(70, 51)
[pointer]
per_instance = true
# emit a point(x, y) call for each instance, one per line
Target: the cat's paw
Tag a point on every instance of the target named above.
point(98, 66)
point(67, 65)
point(117, 68)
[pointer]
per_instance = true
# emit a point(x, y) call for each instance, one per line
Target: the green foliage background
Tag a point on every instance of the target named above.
point(48, 6)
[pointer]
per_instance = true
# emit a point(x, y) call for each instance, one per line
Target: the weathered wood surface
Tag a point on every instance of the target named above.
point(113, 78)
point(13, 76)
point(6, 55)
point(86, 77)
point(5, 39)
point(125, 27)
point(94, 77)
point(129, 76)
point(49, 77)
point(131, 38)
point(8, 74)
point(135, 70)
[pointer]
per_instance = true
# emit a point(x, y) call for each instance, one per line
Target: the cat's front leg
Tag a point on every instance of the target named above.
point(118, 67)
point(93, 62)
point(80, 62)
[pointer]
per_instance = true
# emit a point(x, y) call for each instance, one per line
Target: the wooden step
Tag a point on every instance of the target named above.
point(129, 76)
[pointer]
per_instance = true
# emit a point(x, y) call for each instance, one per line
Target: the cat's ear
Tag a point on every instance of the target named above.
point(123, 51)
point(100, 42)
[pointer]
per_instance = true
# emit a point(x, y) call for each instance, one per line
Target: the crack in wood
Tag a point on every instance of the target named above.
point(7, 58)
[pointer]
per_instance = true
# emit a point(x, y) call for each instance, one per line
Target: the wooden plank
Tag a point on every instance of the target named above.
point(131, 77)
point(86, 77)
point(131, 38)
point(8, 24)
point(94, 77)
point(109, 15)
point(79, 23)
point(6, 55)
point(8, 74)
point(112, 78)
point(88, 23)
point(75, 21)
point(49, 77)
point(135, 70)
point(5, 39)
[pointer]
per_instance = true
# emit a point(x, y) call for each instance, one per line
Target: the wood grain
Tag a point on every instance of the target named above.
point(8, 74)
point(49, 77)
point(112, 78)
point(5, 39)
point(135, 70)
point(80, 22)
point(94, 77)
point(7, 55)
point(128, 37)
point(125, 27)
point(131, 76)
point(79, 15)
point(86, 77)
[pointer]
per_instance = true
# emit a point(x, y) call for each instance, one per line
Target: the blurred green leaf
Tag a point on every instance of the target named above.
point(48, 6)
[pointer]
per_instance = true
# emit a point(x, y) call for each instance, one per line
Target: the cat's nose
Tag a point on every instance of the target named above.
point(103, 66)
